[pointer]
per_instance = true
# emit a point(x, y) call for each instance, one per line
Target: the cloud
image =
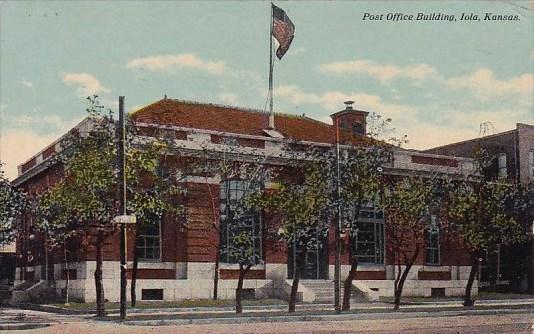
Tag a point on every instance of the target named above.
point(20, 141)
point(135, 108)
point(297, 51)
point(425, 126)
point(27, 83)
point(177, 62)
point(18, 145)
point(383, 72)
point(484, 85)
point(53, 121)
point(87, 83)
point(333, 101)
point(229, 98)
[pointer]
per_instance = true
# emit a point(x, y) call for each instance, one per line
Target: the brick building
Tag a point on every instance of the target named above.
point(178, 263)
point(512, 157)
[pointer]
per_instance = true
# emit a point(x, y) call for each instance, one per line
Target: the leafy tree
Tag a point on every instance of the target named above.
point(239, 220)
point(360, 178)
point(153, 191)
point(229, 164)
point(13, 203)
point(86, 196)
point(406, 202)
point(485, 214)
point(57, 219)
point(301, 211)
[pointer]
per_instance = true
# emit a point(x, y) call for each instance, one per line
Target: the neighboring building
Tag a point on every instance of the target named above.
point(512, 154)
point(7, 264)
point(178, 263)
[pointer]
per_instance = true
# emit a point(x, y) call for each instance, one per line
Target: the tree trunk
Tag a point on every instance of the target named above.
point(217, 227)
point(239, 291)
point(399, 283)
point(293, 296)
point(67, 274)
point(468, 301)
point(216, 273)
point(347, 287)
point(100, 306)
point(133, 296)
point(295, 285)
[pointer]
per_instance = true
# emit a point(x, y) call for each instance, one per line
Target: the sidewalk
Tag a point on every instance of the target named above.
point(11, 318)
point(320, 312)
point(374, 306)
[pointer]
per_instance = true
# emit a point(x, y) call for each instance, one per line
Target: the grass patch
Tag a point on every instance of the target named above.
point(485, 295)
point(482, 295)
point(274, 314)
point(173, 304)
point(419, 299)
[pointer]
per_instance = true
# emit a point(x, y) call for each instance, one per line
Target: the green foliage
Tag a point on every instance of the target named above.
point(486, 213)
point(301, 208)
point(360, 181)
point(13, 203)
point(87, 195)
point(407, 201)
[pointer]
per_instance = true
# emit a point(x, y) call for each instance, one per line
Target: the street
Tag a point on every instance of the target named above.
point(439, 324)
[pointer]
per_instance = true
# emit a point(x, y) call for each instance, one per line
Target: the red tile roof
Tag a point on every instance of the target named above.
point(238, 120)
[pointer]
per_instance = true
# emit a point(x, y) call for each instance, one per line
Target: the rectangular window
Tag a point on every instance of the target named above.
point(432, 242)
point(149, 242)
point(151, 294)
point(503, 173)
point(236, 220)
point(370, 236)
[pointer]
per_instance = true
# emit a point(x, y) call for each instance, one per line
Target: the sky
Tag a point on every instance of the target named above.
point(438, 80)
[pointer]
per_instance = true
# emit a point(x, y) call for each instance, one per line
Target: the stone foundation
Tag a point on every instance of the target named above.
point(194, 280)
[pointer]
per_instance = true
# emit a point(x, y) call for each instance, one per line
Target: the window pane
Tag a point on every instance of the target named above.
point(148, 242)
point(502, 165)
point(234, 220)
point(432, 246)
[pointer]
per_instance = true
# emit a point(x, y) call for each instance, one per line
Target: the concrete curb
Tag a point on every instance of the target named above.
point(50, 309)
point(20, 327)
point(338, 317)
point(414, 307)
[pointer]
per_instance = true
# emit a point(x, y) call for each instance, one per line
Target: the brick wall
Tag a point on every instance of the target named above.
point(201, 234)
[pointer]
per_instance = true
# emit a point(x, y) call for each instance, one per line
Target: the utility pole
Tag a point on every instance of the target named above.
point(121, 161)
point(337, 268)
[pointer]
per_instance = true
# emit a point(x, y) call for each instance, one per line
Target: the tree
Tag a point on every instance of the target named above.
point(13, 203)
point(153, 192)
point(406, 202)
point(86, 196)
point(360, 177)
point(301, 210)
point(57, 220)
point(240, 224)
point(486, 213)
point(360, 170)
point(227, 164)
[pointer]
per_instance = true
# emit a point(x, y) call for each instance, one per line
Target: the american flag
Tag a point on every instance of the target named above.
point(283, 31)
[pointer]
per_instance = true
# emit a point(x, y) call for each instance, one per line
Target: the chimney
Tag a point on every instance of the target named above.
point(351, 119)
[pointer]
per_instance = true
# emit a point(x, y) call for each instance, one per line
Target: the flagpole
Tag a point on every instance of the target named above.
point(337, 264)
point(271, 115)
